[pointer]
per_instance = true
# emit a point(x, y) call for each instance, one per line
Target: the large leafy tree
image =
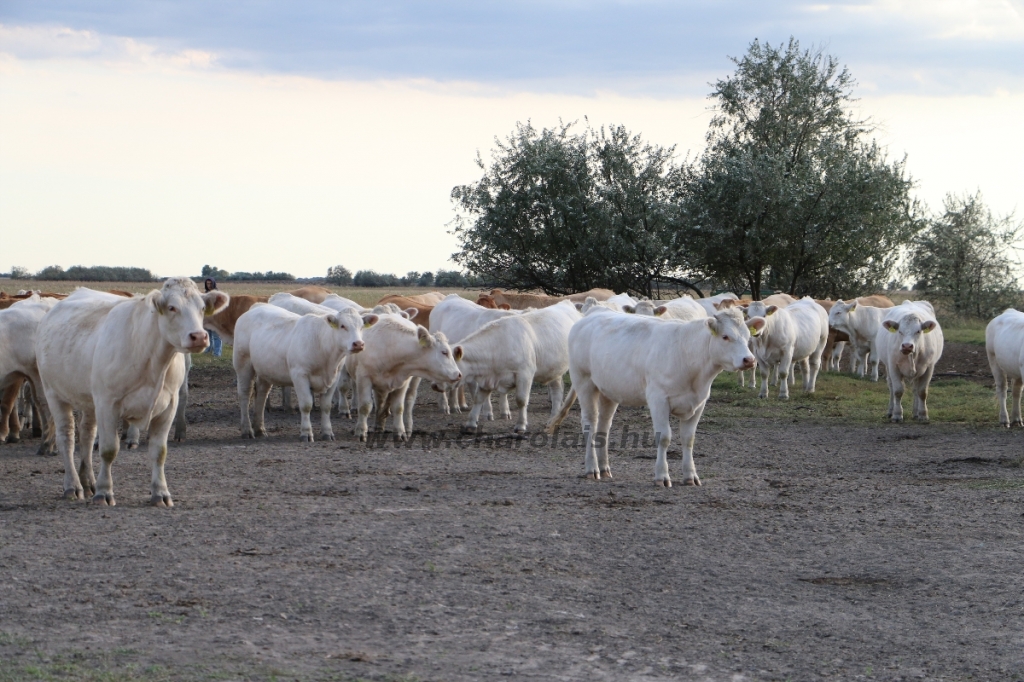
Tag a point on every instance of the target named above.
point(789, 194)
point(966, 257)
point(565, 211)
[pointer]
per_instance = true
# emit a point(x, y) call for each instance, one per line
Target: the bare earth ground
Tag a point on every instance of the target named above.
point(814, 550)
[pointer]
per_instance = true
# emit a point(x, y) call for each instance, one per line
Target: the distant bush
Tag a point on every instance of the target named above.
point(370, 278)
point(339, 275)
point(268, 276)
point(96, 273)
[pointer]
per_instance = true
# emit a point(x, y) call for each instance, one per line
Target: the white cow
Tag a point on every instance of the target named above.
point(18, 326)
point(796, 333)
point(686, 309)
point(636, 360)
point(619, 303)
point(340, 303)
point(118, 358)
point(909, 344)
point(515, 351)
point(861, 323)
point(457, 318)
point(1004, 344)
point(276, 347)
point(396, 351)
point(710, 303)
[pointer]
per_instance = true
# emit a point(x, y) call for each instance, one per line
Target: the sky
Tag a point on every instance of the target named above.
point(295, 136)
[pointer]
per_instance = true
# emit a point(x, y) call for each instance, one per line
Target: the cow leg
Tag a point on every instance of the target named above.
point(180, 425)
point(792, 373)
point(304, 397)
point(64, 434)
point(785, 370)
point(259, 409)
point(1018, 385)
point(663, 436)
point(506, 412)
point(606, 412)
point(487, 409)
point(159, 429)
point(41, 411)
point(410, 403)
point(363, 397)
point(1001, 381)
point(766, 374)
point(556, 392)
point(381, 398)
point(479, 396)
point(805, 370)
point(524, 382)
point(106, 419)
point(442, 401)
point(245, 378)
point(896, 395)
point(921, 394)
point(873, 359)
point(589, 397)
point(326, 404)
point(688, 432)
point(460, 391)
point(341, 389)
point(396, 400)
point(10, 422)
point(286, 399)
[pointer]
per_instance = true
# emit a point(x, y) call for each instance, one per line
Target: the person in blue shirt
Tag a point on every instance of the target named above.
point(216, 344)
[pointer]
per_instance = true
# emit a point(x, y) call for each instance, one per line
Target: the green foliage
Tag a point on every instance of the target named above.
point(268, 276)
point(370, 278)
point(214, 272)
point(339, 275)
point(96, 273)
point(20, 272)
point(789, 194)
point(563, 211)
point(964, 257)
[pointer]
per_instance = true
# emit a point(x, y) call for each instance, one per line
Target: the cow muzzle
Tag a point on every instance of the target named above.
point(748, 363)
point(907, 348)
point(198, 341)
point(357, 346)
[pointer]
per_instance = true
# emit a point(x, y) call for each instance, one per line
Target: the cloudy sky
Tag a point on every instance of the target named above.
point(295, 136)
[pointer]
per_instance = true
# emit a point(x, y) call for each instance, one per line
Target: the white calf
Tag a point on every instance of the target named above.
point(861, 323)
point(909, 344)
point(1004, 344)
point(796, 333)
point(635, 360)
point(115, 358)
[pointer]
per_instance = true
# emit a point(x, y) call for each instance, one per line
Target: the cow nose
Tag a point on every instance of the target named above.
point(357, 346)
point(907, 348)
point(458, 376)
point(748, 362)
point(198, 338)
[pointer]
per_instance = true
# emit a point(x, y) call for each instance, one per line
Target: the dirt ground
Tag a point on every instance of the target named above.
point(813, 551)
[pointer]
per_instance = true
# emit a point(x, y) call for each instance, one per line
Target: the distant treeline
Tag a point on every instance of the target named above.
point(81, 273)
point(225, 276)
point(342, 276)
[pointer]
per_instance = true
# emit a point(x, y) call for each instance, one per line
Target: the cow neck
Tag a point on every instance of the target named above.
point(706, 371)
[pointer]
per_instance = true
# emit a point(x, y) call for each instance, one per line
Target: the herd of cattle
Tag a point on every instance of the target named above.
point(123, 360)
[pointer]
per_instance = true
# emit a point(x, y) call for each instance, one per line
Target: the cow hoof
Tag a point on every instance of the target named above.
point(507, 416)
point(691, 481)
point(519, 430)
point(73, 494)
point(667, 483)
point(161, 500)
point(248, 434)
point(594, 475)
point(88, 489)
point(133, 446)
point(104, 499)
point(468, 429)
point(362, 438)
point(13, 439)
point(326, 436)
point(606, 473)
point(897, 420)
point(261, 433)
point(306, 438)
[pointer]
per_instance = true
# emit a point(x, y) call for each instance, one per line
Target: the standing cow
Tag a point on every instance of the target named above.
point(1004, 345)
point(638, 360)
point(795, 333)
point(909, 344)
point(115, 358)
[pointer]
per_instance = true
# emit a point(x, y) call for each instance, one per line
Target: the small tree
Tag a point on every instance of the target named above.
point(20, 272)
point(339, 275)
point(214, 272)
point(426, 280)
point(965, 256)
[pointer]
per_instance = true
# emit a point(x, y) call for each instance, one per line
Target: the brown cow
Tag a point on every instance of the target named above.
point(224, 322)
point(487, 301)
point(422, 315)
point(432, 298)
point(7, 300)
point(524, 301)
point(313, 294)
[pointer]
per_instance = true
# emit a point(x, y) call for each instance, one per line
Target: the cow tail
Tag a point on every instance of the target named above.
point(563, 411)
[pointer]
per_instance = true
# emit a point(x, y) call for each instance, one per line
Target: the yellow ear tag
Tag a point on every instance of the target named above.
point(891, 330)
point(754, 331)
point(929, 330)
point(334, 325)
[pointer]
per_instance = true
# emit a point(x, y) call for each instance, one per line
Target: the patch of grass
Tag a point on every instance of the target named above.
point(205, 360)
point(964, 331)
point(843, 396)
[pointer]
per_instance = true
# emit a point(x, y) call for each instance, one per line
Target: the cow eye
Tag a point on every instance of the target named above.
point(725, 338)
point(171, 309)
point(343, 327)
point(444, 353)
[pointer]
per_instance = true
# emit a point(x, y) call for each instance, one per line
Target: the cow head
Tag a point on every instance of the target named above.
point(438, 363)
point(727, 303)
point(731, 336)
point(348, 325)
point(180, 309)
point(645, 308)
point(758, 309)
point(486, 301)
point(908, 330)
point(839, 315)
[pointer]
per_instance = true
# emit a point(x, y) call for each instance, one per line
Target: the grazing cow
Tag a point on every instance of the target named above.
point(513, 352)
point(795, 333)
point(224, 322)
point(1004, 345)
point(860, 323)
point(114, 358)
point(18, 329)
point(313, 294)
point(635, 360)
point(396, 351)
point(457, 318)
point(276, 347)
point(909, 344)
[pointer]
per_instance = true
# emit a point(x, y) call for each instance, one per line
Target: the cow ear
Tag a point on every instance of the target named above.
point(411, 312)
point(369, 320)
point(926, 327)
point(771, 310)
point(332, 320)
point(156, 299)
point(215, 301)
point(504, 306)
point(660, 310)
point(891, 325)
point(579, 306)
point(457, 352)
point(755, 325)
point(424, 336)
point(713, 326)
point(853, 306)
point(629, 309)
